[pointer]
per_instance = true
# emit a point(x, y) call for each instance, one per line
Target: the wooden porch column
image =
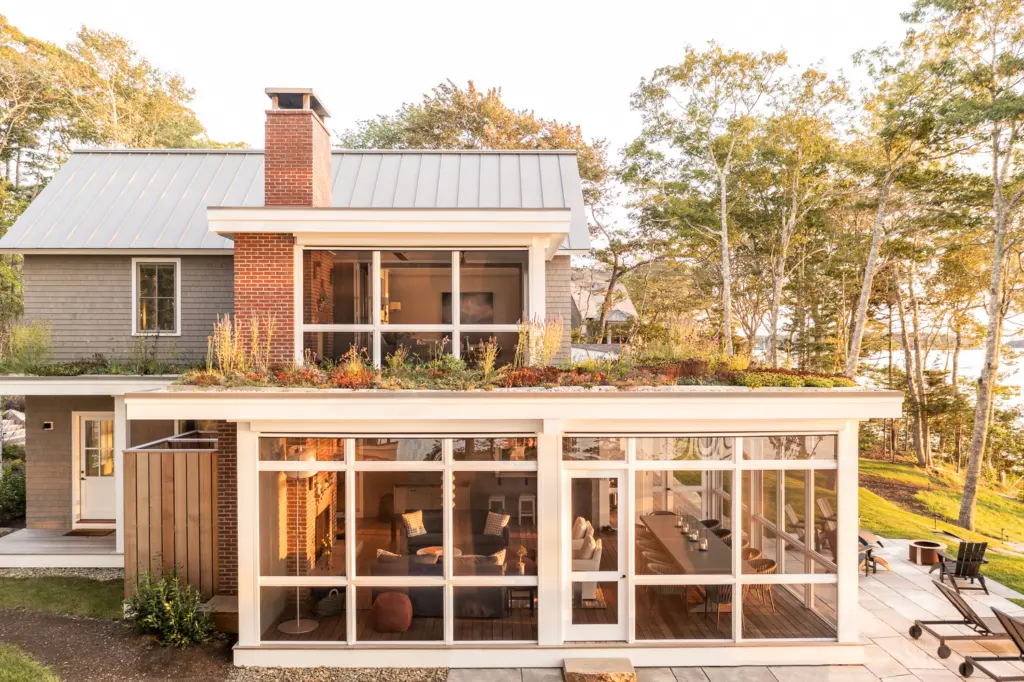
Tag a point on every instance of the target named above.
point(847, 523)
point(550, 535)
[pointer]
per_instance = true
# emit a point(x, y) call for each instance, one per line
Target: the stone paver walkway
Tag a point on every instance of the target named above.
point(889, 604)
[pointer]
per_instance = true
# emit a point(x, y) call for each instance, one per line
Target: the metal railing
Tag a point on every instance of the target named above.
point(194, 441)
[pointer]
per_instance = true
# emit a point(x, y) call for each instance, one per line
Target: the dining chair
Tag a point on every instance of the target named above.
point(681, 591)
point(711, 524)
point(723, 534)
point(717, 596)
point(764, 566)
point(750, 553)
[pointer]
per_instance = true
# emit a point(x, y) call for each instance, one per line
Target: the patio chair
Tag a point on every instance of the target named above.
point(723, 534)
point(983, 628)
point(865, 553)
point(654, 592)
point(965, 567)
point(827, 516)
point(711, 524)
point(1015, 631)
point(751, 553)
point(794, 521)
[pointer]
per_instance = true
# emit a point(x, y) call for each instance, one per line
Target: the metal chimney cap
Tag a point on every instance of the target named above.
point(294, 98)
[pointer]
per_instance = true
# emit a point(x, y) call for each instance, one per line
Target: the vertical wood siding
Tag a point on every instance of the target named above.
point(169, 519)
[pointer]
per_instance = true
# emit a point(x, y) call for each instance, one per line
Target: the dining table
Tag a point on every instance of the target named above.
point(687, 555)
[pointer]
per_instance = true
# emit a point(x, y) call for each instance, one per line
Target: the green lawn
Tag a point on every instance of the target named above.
point(940, 494)
point(71, 596)
point(15, 666)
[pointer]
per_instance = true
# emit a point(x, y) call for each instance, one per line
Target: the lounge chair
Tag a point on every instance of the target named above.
point(965, 567)
point(983, 628)
point(1015, 631)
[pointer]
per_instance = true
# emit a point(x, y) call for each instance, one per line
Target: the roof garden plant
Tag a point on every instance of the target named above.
point(235, 359)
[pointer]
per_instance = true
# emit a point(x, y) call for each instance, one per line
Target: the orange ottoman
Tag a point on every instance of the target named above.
point(391, 612)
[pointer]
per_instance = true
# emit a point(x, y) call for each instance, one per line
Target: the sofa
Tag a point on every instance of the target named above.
point(476, 542)
point(428, 602)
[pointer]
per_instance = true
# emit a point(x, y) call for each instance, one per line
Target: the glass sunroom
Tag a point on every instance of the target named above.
point(682, 527)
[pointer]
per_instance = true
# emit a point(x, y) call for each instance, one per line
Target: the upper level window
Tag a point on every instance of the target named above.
point(382, 302)
point(156, 286)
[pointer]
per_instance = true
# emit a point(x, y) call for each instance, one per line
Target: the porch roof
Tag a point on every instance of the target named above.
point(718, 404)
point(84, 384)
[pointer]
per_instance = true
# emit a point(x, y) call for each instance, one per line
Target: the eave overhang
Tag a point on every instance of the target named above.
point(728, 404)
point(86, 384)
point(449, 228)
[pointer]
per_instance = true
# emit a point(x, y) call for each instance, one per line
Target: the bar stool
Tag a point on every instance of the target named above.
point(496, 500)
point(528, 507)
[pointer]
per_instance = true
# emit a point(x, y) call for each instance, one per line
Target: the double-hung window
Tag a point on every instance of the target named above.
point(156, 296)
point(403, 301)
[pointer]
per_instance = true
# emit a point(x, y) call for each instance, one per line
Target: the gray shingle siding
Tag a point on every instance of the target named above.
point(86, 300)
point(558, 290)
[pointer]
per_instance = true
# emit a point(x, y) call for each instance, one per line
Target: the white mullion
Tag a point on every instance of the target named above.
point(448, 538)
point(303, 581)
point(780, 519)
point(456, 305)
point(628, 527)
point(789, 579)
point(788, 464)
point(737, 562)
point(311, 467)
point(375, 298)
point(510, 580)
point(350, 541)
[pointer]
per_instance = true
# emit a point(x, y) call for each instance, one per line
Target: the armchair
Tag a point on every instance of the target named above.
point(591, 563)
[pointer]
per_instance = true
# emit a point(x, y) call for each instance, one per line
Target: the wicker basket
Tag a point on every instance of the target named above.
point(331, 605)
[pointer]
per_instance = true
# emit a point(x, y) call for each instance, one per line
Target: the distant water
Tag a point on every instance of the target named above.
point(1011, 370)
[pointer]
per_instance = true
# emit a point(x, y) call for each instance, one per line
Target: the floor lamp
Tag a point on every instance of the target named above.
point(299, 625)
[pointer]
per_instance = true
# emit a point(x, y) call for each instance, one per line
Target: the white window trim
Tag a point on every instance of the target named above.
point(135, 296)
point(531, 281)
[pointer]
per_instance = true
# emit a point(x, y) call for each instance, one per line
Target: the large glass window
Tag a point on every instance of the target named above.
point(381, 302)
point(302, 523)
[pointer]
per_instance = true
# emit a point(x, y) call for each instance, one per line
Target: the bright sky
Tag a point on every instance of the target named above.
point(572, 61)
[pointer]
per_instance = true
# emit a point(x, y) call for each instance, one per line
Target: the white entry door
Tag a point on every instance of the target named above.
point(96, 492)
point(596, 520)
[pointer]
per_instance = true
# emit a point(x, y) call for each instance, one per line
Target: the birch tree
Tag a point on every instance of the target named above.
point(699, 120)
point(976, 48)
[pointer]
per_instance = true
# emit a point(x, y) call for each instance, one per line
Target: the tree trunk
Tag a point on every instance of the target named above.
point(726, 267)
point(606, 304)
point(922, 387)
point(987, 376)
point(958, 432)
point(778, 282)
point(861, 319)
point(912, 393)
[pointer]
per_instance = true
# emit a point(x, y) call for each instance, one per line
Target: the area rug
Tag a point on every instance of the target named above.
point(88, 533)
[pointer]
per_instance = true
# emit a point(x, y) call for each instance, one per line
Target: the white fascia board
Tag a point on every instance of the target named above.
point(385, 227)
point(87, 384)
point(384, 407)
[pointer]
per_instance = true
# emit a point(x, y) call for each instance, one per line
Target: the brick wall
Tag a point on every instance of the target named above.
point(265, 285)
point(296, 160)
point(227, 508)
point(558, 295)
point(318, 300)
point(49, 459)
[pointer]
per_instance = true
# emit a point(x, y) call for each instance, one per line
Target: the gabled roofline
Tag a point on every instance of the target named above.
point(334, 150)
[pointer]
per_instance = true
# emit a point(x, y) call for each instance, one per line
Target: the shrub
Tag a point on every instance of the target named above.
point(539, 341)
point(170, 610)
point(28, 345)
point(12, 490)
point(769, 379)
point(819, 382)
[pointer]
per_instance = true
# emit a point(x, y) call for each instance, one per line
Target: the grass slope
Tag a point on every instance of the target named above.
point(15, 666)
point(70, 596)
point(940, 494)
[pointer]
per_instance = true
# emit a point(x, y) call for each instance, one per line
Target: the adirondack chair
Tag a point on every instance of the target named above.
point(1015, 631)
point(865, 553)
point(966, 566)
point(794, 522)
point(827, 517)
point(981, 627)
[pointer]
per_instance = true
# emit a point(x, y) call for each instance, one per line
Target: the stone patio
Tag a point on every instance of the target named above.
point(889, 604)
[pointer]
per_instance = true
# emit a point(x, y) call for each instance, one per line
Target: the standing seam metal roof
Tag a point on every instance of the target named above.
point(157, 199)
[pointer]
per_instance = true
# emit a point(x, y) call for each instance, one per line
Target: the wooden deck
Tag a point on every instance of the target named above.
point(34, 548)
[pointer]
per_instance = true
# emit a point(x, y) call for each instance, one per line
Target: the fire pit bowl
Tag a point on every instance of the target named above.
point(925, 552)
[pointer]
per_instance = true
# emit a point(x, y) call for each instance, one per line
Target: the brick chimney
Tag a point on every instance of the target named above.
point(296, 173)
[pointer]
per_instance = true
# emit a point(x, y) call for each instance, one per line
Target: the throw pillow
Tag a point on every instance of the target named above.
point(587, 550)
point(579, 528)
point(414, 523)
point(496, 523)
point(386, 557)
point(499, 557)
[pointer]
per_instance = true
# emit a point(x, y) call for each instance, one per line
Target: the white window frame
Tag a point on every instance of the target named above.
point(375, 327)
point(176, 262)
point(352, 581)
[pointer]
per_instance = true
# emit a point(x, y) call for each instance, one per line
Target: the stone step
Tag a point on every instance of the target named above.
point(598, 670)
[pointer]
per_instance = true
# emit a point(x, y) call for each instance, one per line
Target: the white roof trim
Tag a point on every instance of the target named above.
point(86, 384)
point(728, 404)
point(410, 227)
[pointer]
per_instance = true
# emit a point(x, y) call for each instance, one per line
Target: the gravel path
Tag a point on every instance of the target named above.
point(91, 650)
